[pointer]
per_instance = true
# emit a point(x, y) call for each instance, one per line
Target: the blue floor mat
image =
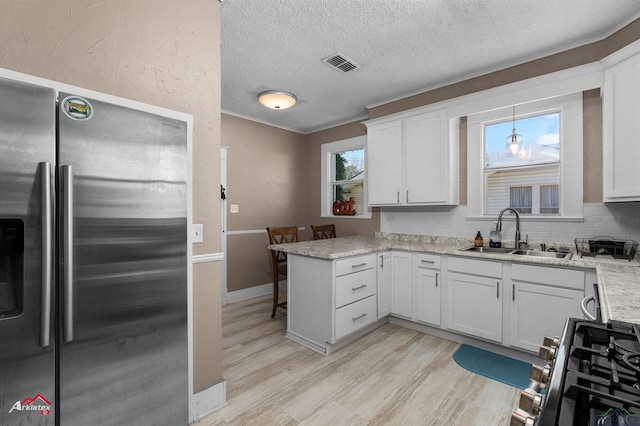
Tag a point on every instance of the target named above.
point(497, 367)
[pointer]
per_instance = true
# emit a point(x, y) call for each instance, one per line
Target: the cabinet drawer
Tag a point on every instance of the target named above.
point(569, 278)
point(354, 316)
point(352, 287)
point(475, 267)
point(355, 264)
point(428, 261)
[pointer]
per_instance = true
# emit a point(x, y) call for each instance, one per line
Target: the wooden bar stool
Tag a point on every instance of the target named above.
point(281, 235)
point(322, 232)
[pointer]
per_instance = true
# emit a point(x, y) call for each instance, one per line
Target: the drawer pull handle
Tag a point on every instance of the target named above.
point(359, 287)
point(362, 315)
point(427, 261)
point(359, 265)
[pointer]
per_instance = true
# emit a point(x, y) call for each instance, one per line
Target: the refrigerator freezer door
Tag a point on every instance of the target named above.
point(123, 359)
point(27, 138)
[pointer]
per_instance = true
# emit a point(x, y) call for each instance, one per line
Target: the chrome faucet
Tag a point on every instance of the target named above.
point(499, 224)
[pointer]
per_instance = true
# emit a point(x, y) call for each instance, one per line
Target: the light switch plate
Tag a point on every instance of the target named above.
point(233, 208)
point(198, 233)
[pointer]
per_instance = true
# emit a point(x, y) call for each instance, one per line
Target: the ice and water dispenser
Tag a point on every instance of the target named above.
point(11, 261)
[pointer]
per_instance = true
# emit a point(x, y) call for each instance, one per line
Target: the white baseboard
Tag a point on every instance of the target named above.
point(209, 400)
point(251, 292)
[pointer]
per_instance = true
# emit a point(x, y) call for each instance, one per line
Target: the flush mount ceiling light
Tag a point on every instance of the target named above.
point(514, 141)
point(275, 99)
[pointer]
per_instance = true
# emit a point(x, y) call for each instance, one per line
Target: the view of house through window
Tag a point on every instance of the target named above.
point(347, 180)
point(525, 176)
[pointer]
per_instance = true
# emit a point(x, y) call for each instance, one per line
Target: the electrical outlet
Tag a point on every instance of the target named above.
point(233, 208)
point(198, 233)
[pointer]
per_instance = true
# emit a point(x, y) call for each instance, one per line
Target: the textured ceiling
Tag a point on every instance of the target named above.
point(402, 46)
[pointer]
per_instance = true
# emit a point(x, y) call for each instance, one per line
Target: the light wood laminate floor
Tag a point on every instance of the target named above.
point(392, 376)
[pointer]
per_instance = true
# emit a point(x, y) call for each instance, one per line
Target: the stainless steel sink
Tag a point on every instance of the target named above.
point(519, 252)
point(551, 254)
point(489, 250)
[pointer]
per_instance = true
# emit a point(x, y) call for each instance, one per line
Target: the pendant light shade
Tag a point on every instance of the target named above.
point(275, 99)
point(514, 141)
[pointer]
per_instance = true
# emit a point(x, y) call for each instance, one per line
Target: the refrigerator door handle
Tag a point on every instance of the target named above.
point(67, 219)
point(46, 253)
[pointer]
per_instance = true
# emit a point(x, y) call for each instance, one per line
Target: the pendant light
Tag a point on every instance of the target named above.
point(276, 99)
point(514, 141)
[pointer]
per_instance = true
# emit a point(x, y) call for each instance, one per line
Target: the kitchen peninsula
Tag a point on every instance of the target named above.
point(340, 289)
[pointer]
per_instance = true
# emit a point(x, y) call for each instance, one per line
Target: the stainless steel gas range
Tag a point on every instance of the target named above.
point(592, 377)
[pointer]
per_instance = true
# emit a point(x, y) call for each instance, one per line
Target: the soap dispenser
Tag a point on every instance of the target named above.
point(495, 239)
point(478, 241)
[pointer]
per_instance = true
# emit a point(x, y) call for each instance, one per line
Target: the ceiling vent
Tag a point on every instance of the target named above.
point(341, 63)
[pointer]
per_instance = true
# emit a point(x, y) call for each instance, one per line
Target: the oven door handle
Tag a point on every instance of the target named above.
point(583, 307)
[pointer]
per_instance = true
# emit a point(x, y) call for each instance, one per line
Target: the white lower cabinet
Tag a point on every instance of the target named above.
point(330, 299)
point(384, 284)
point(507, 303)
point(474, 297)
point(542, 299)
point(427, 287)
point(401, 284)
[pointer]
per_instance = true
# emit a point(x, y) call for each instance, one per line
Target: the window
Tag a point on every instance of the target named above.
point(513, 177)
point(534, 199)
point(520, 198)
point(347, 177)
point(344, 176)
point(541, 179)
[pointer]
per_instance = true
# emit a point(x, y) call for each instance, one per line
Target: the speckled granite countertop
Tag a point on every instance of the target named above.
point(618, 281)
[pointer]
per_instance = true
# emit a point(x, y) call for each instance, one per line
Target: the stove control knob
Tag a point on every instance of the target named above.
point(519, 418)
point(530, 401)
point(548, 353)
point(540, 374)
point(551, 341)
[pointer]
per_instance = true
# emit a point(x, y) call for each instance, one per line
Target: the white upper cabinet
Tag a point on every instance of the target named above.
point(620, 128)
point(412, 160)
point(384, 163)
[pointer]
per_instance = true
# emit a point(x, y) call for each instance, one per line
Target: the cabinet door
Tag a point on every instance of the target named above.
point(384, 171)
point(427, 283)
point(475, 305)
point(621, 150)
point(539, 311)
point(384, 284)
point(401, 285)
point(426, 159)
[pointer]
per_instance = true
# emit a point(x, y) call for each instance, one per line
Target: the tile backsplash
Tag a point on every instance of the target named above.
point(616, 220)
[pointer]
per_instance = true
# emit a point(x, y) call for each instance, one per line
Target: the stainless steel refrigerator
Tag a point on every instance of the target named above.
point(93, 262)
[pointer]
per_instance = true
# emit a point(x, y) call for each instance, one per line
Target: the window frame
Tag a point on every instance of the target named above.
point(570, 170)
point(328, 150)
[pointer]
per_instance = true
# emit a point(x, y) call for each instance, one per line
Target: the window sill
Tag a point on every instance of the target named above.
point(526, 218)
point(362, 216)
